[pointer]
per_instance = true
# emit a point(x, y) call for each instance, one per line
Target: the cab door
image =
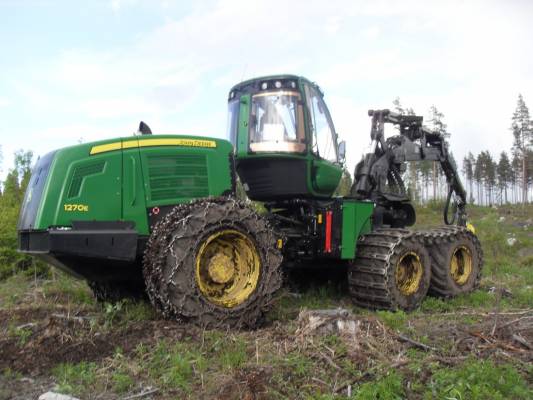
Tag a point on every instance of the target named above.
point(326, 168)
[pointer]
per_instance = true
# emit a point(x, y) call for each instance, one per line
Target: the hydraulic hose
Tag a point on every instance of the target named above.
point(447, 207)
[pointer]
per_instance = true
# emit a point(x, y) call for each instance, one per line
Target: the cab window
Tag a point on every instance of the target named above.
point(233, 121)
point(323, 134)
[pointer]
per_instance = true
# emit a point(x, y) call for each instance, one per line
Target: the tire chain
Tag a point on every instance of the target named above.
point(184, 224)
point(369, 272)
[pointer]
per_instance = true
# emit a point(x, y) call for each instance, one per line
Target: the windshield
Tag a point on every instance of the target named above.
point(277, 122)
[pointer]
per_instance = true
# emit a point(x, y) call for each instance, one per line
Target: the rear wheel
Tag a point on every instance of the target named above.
point(391, 270)
point(213, 263)
point(457, 261)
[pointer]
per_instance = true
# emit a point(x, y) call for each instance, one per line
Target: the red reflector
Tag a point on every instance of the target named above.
point(327, 245)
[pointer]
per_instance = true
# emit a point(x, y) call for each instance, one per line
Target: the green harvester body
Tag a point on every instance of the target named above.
point(159, 214)
point(90, 208)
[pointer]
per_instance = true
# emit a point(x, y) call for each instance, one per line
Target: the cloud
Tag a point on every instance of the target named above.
point(115, 5)
point(4, 102)
point(467, 58)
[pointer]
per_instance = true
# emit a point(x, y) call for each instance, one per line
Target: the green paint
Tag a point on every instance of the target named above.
point(322, 176)
point(325, 176)
point(242, 129)
point(131, 180)
point(355, 222)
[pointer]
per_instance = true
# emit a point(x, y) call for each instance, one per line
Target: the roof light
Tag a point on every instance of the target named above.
point(264, 85)
point(277, 84)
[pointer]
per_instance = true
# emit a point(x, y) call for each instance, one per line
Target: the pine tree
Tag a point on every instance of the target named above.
point(529, 167)
point(504, 174)
point(425, 172)
point(522, 129)
point(489, 175)
point(516, 173)
point(468, 171)
point(437, 124)
point(478, 178)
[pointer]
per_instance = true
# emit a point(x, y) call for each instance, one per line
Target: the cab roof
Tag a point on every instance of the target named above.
point(251, 82)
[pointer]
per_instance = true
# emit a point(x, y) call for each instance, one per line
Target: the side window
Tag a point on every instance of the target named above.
point(321, 126)
point(233, 121)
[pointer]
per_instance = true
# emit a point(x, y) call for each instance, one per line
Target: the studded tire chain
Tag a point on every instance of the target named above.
point(170, 257)
point(371, 276)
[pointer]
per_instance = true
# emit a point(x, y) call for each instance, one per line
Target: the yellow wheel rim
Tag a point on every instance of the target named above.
point(409, 271)
point(227, 268)
point(461, 265)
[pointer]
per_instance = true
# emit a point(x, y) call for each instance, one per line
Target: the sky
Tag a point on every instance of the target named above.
point(85, 71)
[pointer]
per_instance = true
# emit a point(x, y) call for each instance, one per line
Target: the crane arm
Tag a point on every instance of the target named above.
point(378, 174)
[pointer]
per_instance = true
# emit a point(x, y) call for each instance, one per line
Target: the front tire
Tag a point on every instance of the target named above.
point(214, 263)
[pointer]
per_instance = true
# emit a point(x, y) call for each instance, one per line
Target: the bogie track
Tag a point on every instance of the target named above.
point(396, 268)
point(456, 260)
point(391, 270)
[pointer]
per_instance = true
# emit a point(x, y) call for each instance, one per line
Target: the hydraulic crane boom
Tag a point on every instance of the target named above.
point(378, 174)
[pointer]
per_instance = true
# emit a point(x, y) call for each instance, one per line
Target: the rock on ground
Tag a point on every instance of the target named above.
point(56, 396)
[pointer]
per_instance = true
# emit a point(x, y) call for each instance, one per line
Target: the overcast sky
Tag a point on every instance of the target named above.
point(73, 71)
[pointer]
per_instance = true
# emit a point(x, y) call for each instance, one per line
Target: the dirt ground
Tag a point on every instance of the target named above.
point(56, 336)
point(314, 345)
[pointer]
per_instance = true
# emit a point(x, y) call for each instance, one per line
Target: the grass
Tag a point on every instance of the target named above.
point(22, 335)
point(126, 311)
point(394, 320)
point(478, 380)
point(389, 387)
point(277, 363)
point(122, 382)
point(75, 378)
point(172, 365)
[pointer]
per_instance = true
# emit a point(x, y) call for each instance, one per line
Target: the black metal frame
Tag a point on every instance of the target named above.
point(378, 175)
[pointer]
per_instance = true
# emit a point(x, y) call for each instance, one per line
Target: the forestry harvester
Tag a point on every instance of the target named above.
point(159, 212)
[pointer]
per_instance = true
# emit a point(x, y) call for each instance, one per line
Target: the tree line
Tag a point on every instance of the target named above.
point(12, 191)
point(489, 179)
